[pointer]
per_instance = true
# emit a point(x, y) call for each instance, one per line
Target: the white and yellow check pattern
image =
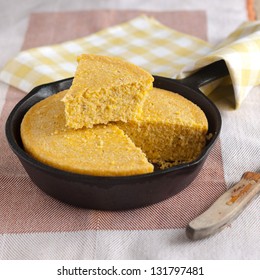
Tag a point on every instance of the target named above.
point(149, 44)
point(241, 52)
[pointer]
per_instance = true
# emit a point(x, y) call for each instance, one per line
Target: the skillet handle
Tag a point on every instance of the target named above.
point(207, 74)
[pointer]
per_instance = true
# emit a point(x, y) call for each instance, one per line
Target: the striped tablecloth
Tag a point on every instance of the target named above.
point(36, 226)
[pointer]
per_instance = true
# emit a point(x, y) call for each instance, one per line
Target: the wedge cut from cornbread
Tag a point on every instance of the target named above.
point(101, 150)
point(105, 89)
point(171, 129)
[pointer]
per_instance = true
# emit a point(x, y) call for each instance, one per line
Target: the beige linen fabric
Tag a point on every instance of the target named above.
point(35, 226)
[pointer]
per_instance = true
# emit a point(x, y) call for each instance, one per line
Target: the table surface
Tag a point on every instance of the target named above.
point(35, 226)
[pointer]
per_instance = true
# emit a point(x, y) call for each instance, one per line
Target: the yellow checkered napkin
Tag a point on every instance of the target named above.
point(147, 43)
point(142, 41)
point(241, 52)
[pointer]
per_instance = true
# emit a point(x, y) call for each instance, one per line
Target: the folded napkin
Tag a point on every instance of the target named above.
point(241, 52)
point(149, 44)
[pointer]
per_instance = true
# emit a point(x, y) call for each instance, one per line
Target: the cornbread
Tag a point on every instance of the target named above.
point(171, 129)
point(105, 89)
point(101, 150)
point(112, 122)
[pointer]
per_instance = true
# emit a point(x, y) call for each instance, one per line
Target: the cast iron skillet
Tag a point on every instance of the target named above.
point(118, 193)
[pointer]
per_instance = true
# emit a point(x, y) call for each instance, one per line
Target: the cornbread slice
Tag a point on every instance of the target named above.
point(105, 89)
point(171, 128)
point(101, 150)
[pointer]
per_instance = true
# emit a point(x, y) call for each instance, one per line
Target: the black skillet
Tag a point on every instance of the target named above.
point(126, 192)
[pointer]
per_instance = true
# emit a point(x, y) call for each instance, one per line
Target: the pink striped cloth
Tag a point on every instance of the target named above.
point(33, 211)
point(36, 223)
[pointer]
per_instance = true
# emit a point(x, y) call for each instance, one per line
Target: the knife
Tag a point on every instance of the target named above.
point(226, 208)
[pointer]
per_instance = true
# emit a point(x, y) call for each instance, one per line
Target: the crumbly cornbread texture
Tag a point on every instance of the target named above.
point(101, 150)
point(105, 89)
point(171, 129)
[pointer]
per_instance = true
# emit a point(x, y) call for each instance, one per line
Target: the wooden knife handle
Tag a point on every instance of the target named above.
point(226, 208)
